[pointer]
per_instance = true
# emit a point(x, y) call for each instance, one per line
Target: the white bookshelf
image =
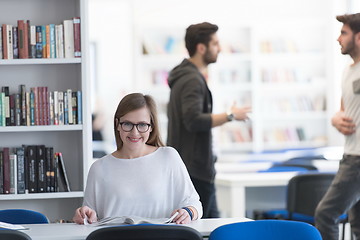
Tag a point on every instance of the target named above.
point(295, 53)
point(74, 141)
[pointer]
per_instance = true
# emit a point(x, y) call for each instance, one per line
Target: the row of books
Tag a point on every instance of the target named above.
point(240, 134)
point(42, 41)
point(289, 134)
point(32, 169)
point(285, 75)
point(295, 104)
point(40, 107)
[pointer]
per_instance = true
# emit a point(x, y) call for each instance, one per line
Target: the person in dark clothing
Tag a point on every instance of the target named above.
point(190, 112)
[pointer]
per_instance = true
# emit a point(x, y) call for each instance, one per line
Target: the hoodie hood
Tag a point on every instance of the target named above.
point(185, 68)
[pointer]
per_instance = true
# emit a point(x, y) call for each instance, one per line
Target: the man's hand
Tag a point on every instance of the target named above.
point(343, 124)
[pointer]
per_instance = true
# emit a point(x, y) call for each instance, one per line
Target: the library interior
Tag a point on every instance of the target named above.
point(281, 57)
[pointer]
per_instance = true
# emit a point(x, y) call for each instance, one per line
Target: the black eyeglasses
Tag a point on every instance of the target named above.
point(141, 127)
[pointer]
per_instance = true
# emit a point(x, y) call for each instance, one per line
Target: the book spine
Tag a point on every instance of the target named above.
point(48, 168)
point(43, 34)
point(26, 39)
point(3, 109)
point(48, 43)
point(12, 110)
point(6, 102)
point(26, 168)
point(61, 108)
point(1, 172)
point(56, 108)
point(40, 106)
point(6, 169)
point(69, 106)
point(68, 38)
point(77, 37)
point(23, 104)
point(66, 110)
point(17, 109)
point(1, 44)
point(15, 42)
point(32, 41)
point(60, 41)
point(46, 106)
point(27, 96)
point(41, 165)
point(74, 107)
point(28, 27)
point(39, 47)
point(13, 173)
point(56, 172)
point(10, 41)
point(62, 172)
point(51, 108)
point(52, 41)
point(32, 169)
point(32, 107)
point(20, 170)
point(79, 107)
point(5, 41)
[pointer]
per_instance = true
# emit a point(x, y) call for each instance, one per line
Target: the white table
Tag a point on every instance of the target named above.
point(240, 190)
point(233, 191)
point(71, 231)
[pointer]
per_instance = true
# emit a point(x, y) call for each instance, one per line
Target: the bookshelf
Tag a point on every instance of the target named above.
point(281, 68)
point(74, 141)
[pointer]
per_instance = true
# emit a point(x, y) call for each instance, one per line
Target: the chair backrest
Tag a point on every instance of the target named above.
point(145, 232)
point(7, 234)
point(22, 216)
point(305, 191)
point(266, 230)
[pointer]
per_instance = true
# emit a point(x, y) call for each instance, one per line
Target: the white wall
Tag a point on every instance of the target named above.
point(114, 25)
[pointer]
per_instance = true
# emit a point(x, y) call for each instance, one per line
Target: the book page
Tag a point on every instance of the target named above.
point(12, 226)
point(132, 220)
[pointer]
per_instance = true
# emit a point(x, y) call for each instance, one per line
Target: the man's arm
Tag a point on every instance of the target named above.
point(342, 123)
point(240, 113)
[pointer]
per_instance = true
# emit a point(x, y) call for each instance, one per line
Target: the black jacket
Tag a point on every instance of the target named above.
point(189, 113)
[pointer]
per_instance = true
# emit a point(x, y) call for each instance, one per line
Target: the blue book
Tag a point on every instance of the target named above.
point(79, 107)
point(39, 42)
point(32, 108)
point(52, 41)
point(66, 109)
point(43, 34)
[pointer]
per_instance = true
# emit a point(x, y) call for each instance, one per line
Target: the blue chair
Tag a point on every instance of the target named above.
point(266, 230)
point(22, 216)
point(145, 232)
point(7, 234)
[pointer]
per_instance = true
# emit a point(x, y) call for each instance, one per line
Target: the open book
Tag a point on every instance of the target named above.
point(131, 220)
point(12, 226)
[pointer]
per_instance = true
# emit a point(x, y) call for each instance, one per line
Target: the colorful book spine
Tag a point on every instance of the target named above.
point(77, 37)
point(79, 107)
point(20, 170)
point(39, 46)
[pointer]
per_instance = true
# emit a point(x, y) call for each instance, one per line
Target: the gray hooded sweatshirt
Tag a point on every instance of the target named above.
point(189, 113)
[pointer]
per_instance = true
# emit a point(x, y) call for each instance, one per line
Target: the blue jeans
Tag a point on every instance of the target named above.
point(342, 197)
point(206, 191)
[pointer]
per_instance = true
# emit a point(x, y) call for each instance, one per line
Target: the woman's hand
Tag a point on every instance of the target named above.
point(84, 212)
point(182, 218)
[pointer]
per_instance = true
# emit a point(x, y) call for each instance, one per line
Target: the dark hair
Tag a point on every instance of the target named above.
point(133, 102)
point(353, 20)
point(199, 33)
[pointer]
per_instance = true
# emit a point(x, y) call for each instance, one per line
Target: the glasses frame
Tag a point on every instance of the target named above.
point(136, 125)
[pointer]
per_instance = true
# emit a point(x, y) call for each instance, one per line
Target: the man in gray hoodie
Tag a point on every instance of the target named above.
point(190, 112)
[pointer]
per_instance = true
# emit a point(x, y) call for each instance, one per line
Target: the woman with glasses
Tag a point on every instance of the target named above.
point(142, 177)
